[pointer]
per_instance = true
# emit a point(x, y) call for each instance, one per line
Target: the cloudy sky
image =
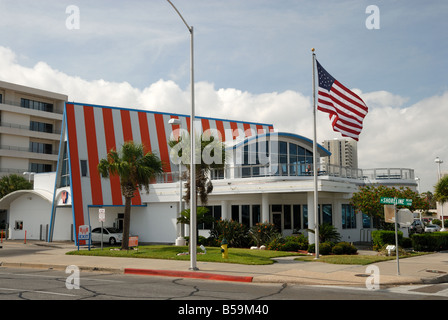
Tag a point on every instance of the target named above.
point(252, 62)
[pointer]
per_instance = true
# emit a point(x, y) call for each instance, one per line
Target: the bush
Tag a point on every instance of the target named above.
point(234, 232)
point(291, 243)
point(434, 241)
point(324, 248)
point(263, 233)
point(344, 248)
point(384, 237)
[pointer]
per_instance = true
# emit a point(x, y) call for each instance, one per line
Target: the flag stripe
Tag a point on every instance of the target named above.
point(345, 108)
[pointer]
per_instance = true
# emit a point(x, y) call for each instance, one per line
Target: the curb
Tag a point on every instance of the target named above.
point(187, 274)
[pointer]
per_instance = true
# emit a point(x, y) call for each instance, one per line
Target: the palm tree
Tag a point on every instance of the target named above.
point(136, 170)
point(441, 192)
point(213, 157)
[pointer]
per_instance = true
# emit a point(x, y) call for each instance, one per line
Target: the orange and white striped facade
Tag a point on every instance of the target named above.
point(91, 131)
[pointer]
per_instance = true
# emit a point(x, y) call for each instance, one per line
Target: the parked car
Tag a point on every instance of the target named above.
point(432, 228)
point(110, 235)
point(417, 227)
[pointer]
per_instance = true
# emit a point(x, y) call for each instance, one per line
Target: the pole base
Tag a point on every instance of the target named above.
point(181, 241)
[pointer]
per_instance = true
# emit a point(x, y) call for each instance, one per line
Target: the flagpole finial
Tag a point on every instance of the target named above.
point(312, 49)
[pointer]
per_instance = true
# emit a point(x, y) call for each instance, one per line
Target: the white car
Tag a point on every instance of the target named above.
point(110, 235)
point(432, 228)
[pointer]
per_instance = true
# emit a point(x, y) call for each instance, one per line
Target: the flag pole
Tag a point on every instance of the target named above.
point(316, 211)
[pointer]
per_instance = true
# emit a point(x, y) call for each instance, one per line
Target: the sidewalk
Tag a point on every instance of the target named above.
point(432, 268)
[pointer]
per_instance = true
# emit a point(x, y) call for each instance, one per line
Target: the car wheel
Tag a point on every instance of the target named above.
point(112, 241)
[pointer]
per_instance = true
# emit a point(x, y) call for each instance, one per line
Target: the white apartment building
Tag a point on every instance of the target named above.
point(30, 129)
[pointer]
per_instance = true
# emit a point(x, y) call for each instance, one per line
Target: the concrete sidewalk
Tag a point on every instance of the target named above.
point(431, 268)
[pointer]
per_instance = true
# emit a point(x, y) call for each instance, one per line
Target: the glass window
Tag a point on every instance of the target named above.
point(287, 217)
point(327, 214)
point(256, 214)
point(296, 217)
point(236, 213)
point(84, 168)
point(245, 215)
point(305, 216)
point(348, 217)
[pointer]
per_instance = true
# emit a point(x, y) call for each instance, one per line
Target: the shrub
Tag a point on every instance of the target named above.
point(384, 237)
point(291, 243)
point(324, 248)
point(434, 241)
point(234, 232)
point(263, 233)
point(344, 248)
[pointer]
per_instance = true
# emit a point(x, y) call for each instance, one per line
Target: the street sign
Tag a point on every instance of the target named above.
point(396, 201)
point(102, 215)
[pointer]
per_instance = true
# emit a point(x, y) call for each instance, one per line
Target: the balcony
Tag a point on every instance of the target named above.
point(303, 172)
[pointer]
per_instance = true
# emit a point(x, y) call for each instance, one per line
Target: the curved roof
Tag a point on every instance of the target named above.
point(305, 141)
point(6, 201)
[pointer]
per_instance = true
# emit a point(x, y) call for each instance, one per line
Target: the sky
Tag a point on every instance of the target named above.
point(252, 62)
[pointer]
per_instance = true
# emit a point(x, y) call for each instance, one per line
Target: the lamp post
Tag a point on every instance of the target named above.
point(180, 241)
point(29, 175)
point(439, 161)
point(193, 216)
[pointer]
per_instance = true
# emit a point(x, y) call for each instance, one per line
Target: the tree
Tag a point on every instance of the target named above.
point(13, 183)
point(135, 170)
point(367, 200)
point(441, 190)
point(212, 157)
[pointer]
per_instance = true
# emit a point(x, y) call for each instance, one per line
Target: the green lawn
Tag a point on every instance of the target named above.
point(354, 259)
point(241, 256)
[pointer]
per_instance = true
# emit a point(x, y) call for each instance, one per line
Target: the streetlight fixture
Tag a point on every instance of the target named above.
point(193, 227)
point(439, 161)
point(180, 241)
point(29, 175)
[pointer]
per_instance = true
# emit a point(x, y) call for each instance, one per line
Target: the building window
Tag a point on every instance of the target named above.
point(41, 127)
point(40, 167)
point(213, 211)
point(36, 105)
point(297, 225)
point(327, 214)
point(84, 168)
point(38, 147)
point(366, 221)
point(348, 217)
point(256, 214)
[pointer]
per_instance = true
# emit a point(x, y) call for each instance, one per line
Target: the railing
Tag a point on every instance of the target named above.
point(25, 127)
point(19, 104)
point(299, 170)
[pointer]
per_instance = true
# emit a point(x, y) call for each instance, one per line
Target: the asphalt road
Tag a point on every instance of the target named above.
point(39, 284)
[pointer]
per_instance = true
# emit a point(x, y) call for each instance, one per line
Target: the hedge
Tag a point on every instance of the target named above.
point(434, 241)
point(381, 238)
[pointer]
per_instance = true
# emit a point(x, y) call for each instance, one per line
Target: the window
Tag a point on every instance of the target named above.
point(256, 214)
point(348, 217)
point(236, 213)
point(287, 217)
point(18, 225)
point(296, 217)
point(40, 167)
point(36, 105)
point(38, 147)
point(83, 168)
point(327, 214)
point(41, 126)
point(213, 211)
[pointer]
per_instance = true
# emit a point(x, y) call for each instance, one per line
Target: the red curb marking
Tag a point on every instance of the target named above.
point(187, 274)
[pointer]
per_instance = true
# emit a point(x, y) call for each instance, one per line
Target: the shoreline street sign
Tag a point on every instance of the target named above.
point(396, 201)
point(389, 210)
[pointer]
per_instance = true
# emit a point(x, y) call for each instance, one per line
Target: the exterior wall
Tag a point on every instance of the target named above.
point(33, 211)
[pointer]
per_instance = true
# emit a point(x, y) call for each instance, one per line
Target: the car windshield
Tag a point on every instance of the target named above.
point(113, 230)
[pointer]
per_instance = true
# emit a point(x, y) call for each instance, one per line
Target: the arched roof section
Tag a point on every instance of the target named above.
point(6, 201)
point(323, 152)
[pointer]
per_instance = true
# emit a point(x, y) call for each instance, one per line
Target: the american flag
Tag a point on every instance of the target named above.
point(346, 109)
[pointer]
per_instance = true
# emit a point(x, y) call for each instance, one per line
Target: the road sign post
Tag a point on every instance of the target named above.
point(400, 202)
point(102, 218)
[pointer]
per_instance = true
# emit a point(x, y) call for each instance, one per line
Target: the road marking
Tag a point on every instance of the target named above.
point(37, 291)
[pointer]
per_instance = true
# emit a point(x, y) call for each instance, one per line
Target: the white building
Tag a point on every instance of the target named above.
point(267, 178)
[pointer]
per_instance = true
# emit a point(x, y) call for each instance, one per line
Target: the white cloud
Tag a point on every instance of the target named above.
point(394, 135)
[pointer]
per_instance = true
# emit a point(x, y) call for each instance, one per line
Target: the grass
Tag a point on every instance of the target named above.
point(354, 259)
point(241, 256)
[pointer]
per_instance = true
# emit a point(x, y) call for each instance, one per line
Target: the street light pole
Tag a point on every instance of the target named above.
point(439, 161)
point(193, 217)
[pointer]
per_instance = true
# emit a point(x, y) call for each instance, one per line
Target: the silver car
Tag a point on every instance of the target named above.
point(110, 235)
